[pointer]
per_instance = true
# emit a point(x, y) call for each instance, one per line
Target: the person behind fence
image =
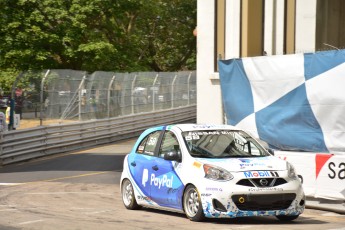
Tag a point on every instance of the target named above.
point(93, 104)
point(3, 124)
point(19, 106)
point(8, 113)
point(46, 103)
point(8, 117)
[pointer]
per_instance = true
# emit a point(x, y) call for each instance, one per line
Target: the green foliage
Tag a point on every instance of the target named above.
point(28, 81)
point(6, 80)
point(108, 35)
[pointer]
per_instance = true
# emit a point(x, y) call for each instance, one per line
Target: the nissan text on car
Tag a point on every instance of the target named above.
point(209, 171)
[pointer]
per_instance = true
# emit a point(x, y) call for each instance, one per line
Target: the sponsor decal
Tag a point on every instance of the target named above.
point(321, 160)
point(245, 160)
point(204, 126)
point(254, 174)
point(206, 194)
point(214, 189)
point(336, 170)
point(145, 177)
point(159, 182)
point(140, 149)
point(197, 164)
point(249, 163)
point(172, 190)
point(274, 174)
point(283, 158)
point(143, 198)
point(265, 189)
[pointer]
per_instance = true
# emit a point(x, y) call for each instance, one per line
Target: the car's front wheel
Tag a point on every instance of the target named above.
point(287, 218)
point(192, 204)
point(128, 195)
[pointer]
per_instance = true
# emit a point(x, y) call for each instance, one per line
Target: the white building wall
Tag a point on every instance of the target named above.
point(268, 31)
point(305, 26)
point(232, 30)
point(274, 27)
point(209, 105)
point(279, 27)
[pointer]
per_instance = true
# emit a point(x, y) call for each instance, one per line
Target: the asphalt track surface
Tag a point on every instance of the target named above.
point(80, 190)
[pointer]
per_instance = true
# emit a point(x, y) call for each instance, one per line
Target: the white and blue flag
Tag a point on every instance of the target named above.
point(293, 102)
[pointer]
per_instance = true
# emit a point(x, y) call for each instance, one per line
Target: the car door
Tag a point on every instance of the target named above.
point(141, 165)
point(166, 185)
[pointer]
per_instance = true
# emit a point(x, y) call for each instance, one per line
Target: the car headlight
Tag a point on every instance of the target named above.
point(217, 173)
point(291, 171)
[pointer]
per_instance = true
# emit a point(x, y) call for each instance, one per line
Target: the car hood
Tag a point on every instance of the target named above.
point(247, 164)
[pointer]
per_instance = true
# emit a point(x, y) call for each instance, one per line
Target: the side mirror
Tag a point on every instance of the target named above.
point(271, 151)
point(173, 156)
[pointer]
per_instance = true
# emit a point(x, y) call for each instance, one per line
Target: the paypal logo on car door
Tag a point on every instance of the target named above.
point(166, 186)
point(160, 182)
point(157, 179)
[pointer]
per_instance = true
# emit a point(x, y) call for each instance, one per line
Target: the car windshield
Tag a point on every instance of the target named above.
point(222, 144)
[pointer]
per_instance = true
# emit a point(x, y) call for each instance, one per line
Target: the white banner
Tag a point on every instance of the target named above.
point(292, 102)
point(323, 175)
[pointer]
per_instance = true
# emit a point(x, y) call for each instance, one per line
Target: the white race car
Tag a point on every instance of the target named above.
point(212, 171)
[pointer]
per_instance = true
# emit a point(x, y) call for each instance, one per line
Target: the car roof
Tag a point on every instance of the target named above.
point(191, 127)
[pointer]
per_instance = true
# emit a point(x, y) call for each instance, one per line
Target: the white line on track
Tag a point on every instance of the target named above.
point(62, 193)
point(9, 184)
point(97, 212)
point(331, 214)
point(30, 222)
point(8, 210)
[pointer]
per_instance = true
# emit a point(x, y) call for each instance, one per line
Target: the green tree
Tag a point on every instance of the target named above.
point(108, 35)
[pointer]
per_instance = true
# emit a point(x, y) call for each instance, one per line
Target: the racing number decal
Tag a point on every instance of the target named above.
point(152, 141)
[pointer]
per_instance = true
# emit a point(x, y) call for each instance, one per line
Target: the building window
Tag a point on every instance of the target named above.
point(290, 26)
point(252, 27)
point(330, 24)
point(220, 31)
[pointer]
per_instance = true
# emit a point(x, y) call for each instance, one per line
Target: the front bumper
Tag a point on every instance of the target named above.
point(241, 201)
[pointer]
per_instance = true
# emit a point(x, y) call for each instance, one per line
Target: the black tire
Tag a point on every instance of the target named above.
point(192, 204)
point(287, 218)
point(128, 197)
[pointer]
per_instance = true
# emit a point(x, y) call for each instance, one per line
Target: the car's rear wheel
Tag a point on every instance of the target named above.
point(287, 218)
point(192, 204)
point(128, 197)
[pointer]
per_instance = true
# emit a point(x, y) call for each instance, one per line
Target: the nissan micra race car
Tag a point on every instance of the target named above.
point(209, 171)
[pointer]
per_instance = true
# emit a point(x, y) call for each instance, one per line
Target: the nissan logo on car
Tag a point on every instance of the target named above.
point(263, 182)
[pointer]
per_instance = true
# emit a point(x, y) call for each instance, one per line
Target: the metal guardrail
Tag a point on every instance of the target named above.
point(22, 145)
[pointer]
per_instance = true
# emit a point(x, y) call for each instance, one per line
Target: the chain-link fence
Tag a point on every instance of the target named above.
point(69, 95)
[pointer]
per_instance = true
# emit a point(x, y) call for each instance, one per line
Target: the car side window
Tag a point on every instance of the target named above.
point(169, 143)
point(149, 143)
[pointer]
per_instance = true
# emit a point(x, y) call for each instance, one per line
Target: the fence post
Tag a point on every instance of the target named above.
point(153, 93)
point(108, 96)
point(132, 94)
point(41, 96)
point(172, 91)
point(188, 87)
point(81, 86)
